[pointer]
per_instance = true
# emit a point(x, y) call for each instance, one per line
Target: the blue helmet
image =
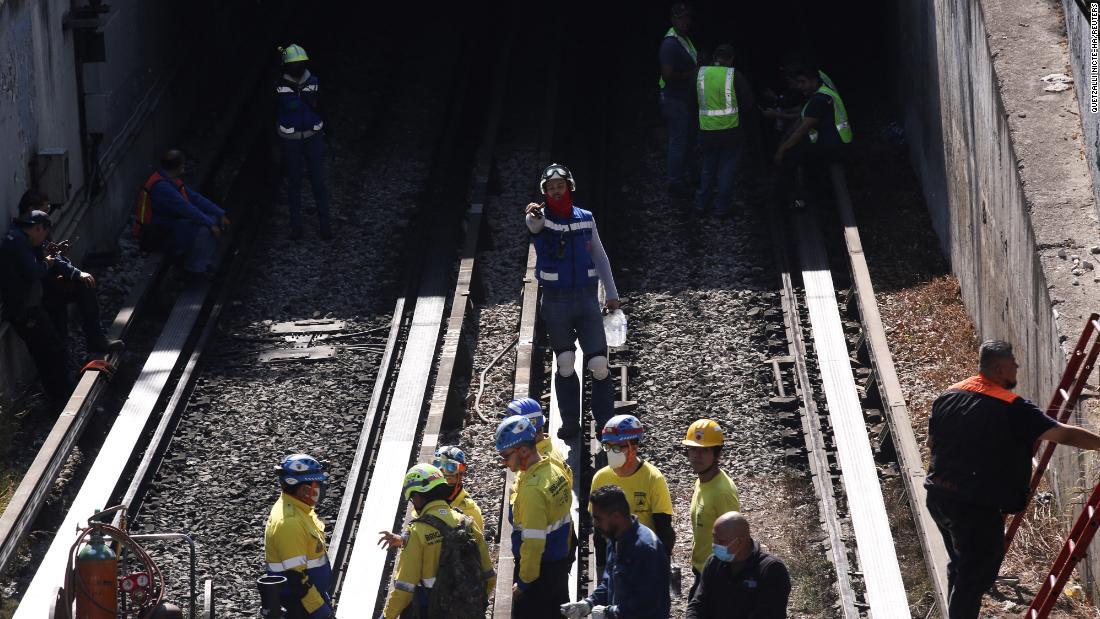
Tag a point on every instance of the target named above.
point(513, 431)
point(622, 428)
point(529, 408)
point(298, 468)
point(449, 459)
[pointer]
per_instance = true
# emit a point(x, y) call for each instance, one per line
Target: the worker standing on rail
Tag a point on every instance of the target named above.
point(643, 484)
point(542, 524)
point(532, 410)
point(294, 540)
point(23, 269)
point(714, 494)
point(570, 262)
point(740, 580)
point(981, 436)
point(679, 62)
point(634, 584)
point(821, 136)
point(173, 217)
point(59, 291)
point(300, 128)
point(725, 97)
point(419, 578)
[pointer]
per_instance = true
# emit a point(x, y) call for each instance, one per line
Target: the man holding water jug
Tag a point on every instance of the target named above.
point(571, 261)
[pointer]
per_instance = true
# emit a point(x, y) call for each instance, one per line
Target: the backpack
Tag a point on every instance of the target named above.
point(459, 589)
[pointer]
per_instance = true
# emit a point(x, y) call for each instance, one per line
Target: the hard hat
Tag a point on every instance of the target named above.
point(422, 478)
point(293, 53)
point(704, 433)
point(529, 408)
point(513, 431)
point(622, 428)
point(298, 468)
point(556, 170)
point(449, 459)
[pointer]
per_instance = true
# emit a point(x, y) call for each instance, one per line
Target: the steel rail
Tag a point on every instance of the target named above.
point(893, 399)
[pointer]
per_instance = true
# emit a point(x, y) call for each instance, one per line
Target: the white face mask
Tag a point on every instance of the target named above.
point(616, 460)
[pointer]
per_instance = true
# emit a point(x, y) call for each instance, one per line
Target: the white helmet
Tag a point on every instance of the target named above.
point(556, 170)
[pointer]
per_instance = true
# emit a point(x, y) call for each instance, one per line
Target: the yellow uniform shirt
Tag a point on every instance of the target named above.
point(465, 505)
point(419, 559)
point(542, 523)
point(646, 490)
point(708, 502)
point(294, 544)
point(546, 449)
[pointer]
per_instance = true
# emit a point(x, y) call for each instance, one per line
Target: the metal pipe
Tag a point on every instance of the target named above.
point(271, 605)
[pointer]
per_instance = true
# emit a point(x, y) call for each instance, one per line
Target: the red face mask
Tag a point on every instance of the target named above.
point(561, 207)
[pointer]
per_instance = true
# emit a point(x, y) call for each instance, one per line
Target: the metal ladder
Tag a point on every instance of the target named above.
point(1061, 406)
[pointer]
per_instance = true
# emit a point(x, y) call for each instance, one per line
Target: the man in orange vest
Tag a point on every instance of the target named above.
point(981, 436)
point(181, 219)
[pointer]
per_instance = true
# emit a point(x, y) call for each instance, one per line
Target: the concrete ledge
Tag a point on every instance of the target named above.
point(1004, 174)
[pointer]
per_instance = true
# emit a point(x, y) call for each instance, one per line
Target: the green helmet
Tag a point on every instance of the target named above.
point(422, 478)
point(293, 53)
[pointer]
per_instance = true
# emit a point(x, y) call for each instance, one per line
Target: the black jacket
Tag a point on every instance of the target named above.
point(22, 269)
point(759, 590)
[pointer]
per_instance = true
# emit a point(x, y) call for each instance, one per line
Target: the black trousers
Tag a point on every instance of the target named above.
point(974, 537)
point(543, 599)
point(57, 295)
point(48, 351)
point(805, 170)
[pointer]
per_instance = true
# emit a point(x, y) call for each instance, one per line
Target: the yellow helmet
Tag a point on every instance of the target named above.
point(704, 433)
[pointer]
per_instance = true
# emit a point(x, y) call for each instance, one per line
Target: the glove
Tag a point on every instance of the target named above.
point(599, 612)
point(576, 610)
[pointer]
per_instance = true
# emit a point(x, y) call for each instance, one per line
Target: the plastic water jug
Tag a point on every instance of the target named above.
point(614, 328)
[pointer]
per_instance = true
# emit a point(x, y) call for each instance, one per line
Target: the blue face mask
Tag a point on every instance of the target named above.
point(722, 553)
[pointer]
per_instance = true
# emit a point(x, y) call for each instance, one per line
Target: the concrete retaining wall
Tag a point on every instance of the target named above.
point(1002, 165)
point(162, 59)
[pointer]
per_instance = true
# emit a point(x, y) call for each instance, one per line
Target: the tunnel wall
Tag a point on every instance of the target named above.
point(162, 60)
point(1077, 31)
point(1002, 167)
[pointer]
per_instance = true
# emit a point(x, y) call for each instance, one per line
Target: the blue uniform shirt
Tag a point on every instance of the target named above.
point(635, 581)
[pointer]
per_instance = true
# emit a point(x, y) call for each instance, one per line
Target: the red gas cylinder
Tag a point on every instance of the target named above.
point(96, 580)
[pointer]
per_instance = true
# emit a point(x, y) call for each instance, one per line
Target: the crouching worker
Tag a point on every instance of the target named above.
point(174, 218)
point(294, 540)
point(635, 582)
point(444, 569)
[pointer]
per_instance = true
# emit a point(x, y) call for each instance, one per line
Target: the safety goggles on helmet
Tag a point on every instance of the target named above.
point(556, 170)
point(448, 466)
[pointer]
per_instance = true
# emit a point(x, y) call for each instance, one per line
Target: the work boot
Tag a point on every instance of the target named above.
point(296, 234)
point(326, 234)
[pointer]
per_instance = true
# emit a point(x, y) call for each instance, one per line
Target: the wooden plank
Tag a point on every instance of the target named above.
point(897, 413)
point(573, 454)
point(34, 487)
point(107, 470)
point(521, 388)
point(367, 561)
point(874, 542)
point(817, 453)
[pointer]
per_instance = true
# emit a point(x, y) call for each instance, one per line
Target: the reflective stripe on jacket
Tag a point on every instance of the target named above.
point(298, 105)
point(294, 544)
point(563, 251)
point(542, 524)
point(717, 99)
